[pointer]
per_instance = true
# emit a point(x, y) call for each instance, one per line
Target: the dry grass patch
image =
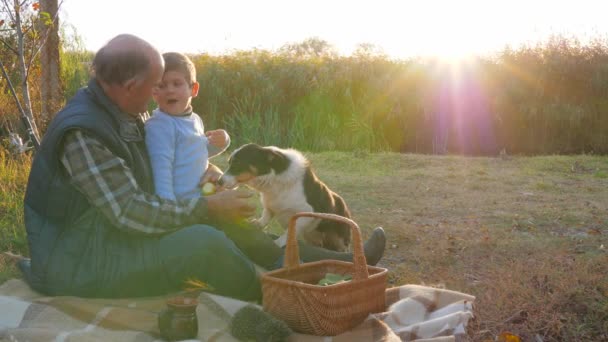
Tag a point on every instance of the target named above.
point(8, 269)
point(14, 171)
point(524, 235)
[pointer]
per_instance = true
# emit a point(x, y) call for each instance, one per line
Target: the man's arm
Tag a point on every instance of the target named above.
point(110, 186)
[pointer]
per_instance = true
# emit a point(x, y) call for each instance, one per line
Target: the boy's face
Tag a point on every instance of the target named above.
point(174, 93)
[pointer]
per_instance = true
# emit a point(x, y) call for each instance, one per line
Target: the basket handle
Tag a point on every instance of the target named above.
point(292, 256)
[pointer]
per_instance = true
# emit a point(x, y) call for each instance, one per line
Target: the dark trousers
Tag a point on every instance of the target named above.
point(125, 265)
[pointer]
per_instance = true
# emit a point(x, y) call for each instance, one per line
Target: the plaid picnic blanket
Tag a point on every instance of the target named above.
point(413, 313)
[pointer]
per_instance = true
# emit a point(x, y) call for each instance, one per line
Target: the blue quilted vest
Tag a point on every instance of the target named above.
point(52, 205)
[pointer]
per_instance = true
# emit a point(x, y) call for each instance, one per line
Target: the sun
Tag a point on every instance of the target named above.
point(454, 52)
point(452, 35)
point(450, 51)
point(456, 45)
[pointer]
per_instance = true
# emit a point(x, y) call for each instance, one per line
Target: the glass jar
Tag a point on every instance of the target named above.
point(178, 320)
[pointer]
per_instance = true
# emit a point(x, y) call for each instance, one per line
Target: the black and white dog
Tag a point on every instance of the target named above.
point(288, 185)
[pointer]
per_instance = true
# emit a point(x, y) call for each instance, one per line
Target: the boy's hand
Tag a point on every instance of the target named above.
point(218, 138)
point(212, 174)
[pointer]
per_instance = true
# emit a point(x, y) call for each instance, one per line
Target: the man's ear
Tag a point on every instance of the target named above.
point(130, 85)
point(195, 87)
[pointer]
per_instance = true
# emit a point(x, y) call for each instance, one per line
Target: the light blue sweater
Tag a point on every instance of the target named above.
point(179, 153)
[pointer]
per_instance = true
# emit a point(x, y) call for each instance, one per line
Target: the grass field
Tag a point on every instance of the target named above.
point(528, 236)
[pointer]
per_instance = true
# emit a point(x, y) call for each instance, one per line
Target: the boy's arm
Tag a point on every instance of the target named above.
point(218, 140)
point(212, 174)
point(160, 142)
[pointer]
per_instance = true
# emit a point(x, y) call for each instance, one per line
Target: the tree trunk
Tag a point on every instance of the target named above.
point(27, 103)
point(50, 85)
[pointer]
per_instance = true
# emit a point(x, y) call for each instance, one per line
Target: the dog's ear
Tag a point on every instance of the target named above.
point(278, 161)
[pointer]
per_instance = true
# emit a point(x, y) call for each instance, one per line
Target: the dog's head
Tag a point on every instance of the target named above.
point(251, 161)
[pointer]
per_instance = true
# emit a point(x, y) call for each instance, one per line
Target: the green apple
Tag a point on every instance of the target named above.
point(208, 189)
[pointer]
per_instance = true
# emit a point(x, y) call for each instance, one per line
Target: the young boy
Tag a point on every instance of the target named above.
point(178, 146)
point(179, 150)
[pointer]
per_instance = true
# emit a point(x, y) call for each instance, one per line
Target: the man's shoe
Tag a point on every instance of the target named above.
point(374, 246)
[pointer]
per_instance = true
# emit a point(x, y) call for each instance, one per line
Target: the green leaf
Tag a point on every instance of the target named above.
point(333, 278)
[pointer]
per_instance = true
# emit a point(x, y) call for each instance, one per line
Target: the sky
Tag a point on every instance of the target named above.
point(400, 28)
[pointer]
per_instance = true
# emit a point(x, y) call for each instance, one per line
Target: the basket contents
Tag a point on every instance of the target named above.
point(333, 278)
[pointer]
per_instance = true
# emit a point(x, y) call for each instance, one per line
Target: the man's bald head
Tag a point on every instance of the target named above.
point(128, 68)
point(123, 58)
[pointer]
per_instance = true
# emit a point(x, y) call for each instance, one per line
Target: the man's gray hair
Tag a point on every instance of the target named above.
point(124, 57)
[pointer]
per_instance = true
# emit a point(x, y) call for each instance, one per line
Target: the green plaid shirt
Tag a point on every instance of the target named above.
point(110, 186)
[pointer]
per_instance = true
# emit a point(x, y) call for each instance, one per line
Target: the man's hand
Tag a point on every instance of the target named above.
point(218, 138)
point(212, 174)
point(230, 205)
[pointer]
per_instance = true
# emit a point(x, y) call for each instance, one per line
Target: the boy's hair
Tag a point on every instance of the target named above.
point(175, 61)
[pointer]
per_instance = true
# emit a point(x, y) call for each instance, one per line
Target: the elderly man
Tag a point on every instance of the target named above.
point(95, 227)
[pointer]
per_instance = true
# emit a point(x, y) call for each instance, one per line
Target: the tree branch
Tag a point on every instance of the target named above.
point(8, 10)
point(43, 40)
point(8, 46)
point(28, 29)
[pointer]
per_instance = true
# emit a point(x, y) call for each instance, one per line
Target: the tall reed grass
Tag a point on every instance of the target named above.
point(547, 98)
point(543, 99)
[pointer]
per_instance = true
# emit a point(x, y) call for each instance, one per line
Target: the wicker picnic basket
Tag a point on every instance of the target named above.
point(291, 293)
